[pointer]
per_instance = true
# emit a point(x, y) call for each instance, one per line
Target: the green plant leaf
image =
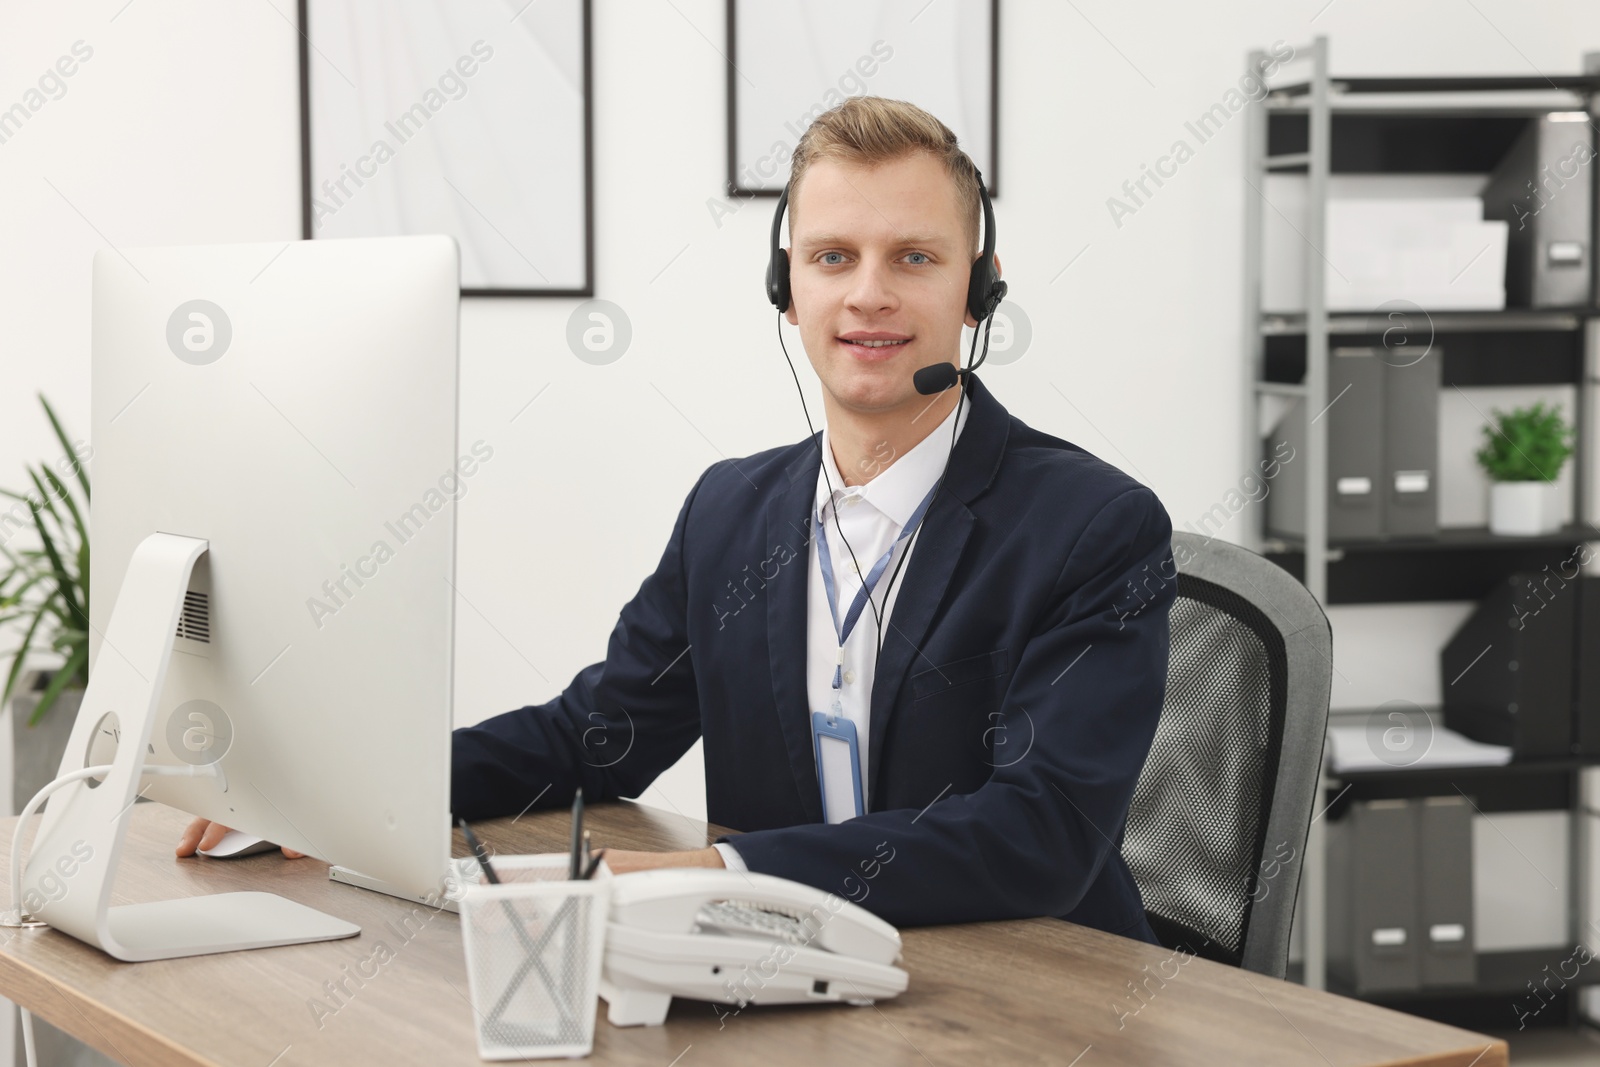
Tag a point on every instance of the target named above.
point(1526, 444)
point(66, 584)
point(13, 599)
point(48, 585)
point(72, 506)
point(83, 573)
point(44, 499)
point(66, 445)
point(20, 657)
point(62, 679)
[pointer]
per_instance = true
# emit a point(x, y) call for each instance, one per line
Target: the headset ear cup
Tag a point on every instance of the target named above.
point(777, 258)
point(980, 284)
point(997, 293)
point(984, 290)
point(778, 279)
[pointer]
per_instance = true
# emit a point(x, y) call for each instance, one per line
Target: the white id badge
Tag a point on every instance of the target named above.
point(838, 766)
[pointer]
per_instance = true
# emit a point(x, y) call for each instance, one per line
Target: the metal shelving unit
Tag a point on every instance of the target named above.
point(1444, 565)
point(1313, 388)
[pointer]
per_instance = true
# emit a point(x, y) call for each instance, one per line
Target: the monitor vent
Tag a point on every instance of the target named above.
point(195, 621)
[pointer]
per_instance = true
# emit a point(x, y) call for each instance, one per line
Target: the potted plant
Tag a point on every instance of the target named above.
point(44, 593)
point(1523, 451)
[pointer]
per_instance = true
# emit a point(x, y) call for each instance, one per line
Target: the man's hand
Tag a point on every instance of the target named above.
point(203, 833)
point(622, 862)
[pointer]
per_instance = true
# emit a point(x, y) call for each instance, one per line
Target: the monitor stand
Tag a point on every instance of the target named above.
point(463, 871)
point(85, 823)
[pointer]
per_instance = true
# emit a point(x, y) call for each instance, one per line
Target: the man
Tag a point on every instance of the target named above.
point(1004, 723)
point(1002, 711)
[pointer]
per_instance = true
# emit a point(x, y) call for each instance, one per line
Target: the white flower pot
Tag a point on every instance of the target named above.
point(1523, 509)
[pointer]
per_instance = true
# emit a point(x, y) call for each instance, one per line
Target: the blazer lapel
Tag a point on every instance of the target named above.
point(944, 534)
point(945, 530)
point(788, 523)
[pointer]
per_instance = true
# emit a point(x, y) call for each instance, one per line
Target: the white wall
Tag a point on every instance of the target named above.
point(183, 128)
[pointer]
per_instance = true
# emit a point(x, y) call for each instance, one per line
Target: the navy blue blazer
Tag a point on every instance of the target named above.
point(1014, 704)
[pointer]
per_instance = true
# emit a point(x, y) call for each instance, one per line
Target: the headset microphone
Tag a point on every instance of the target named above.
point(933, 380)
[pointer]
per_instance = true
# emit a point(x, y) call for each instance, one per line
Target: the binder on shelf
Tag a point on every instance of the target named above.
point(1400, 913)
point(1543, 189)
point(1445, 934)
point(1410, 444)
point(1372, 914)
point(1355, 444)
point(1586, 656)
point(1383, 425)
point(1507, 673)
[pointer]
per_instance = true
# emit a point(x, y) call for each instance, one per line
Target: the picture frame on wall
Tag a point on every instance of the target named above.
point(473, 118)
point(791, 60)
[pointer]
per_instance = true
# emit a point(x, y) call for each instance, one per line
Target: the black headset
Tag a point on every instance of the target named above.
point(984, 289)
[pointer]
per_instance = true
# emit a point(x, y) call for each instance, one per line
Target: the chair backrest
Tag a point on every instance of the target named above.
point(1217, 829)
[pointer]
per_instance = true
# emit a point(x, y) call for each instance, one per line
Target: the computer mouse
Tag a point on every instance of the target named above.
point(235, 844)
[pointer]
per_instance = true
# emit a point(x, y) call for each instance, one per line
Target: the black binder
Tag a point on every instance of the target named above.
point(1586, 655)
point(1400, 896)
point(1383, 426)
point(1544, 189)
point(1355, 444)
point(1410, 444)
point(1372, 928)
point(1445, 934)
point(1508, 675)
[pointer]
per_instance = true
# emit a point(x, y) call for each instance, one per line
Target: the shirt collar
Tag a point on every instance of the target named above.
point(900, 487)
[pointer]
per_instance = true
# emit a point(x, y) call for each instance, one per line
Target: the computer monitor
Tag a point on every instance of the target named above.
point(273, 520)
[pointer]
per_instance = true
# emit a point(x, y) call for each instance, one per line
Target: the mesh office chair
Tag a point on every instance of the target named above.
point(1217, 828)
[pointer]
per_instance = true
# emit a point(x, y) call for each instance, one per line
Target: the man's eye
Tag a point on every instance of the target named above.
point(924, 255)
point(825, 256)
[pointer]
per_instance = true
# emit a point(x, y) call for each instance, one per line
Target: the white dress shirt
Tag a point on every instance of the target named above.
point(871, 517)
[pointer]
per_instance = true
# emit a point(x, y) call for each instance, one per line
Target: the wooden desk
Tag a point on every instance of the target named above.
point(1029, 992)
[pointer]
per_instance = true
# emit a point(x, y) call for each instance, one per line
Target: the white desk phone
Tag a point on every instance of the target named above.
point(736, 937)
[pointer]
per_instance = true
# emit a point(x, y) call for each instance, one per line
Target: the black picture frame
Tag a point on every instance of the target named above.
point(306, 214)
point(991, 175)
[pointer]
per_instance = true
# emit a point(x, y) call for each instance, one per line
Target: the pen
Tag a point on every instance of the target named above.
point(479, 852)
point(575, 867)
point(594, 862)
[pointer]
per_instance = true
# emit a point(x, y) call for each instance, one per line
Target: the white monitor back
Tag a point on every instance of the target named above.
point(295, 406)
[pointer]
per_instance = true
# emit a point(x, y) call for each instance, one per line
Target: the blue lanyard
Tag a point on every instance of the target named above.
point(873, 576)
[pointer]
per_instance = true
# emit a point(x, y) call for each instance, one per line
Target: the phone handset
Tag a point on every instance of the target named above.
point(749, 904)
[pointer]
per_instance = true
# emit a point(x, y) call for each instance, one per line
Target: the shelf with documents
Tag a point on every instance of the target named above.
point(1492, 975)
point(1521, 785)
point(1502, 974)
point(1329, 140)
point(1469, 356)
point(1463, 538)
point(1458, 564)
point(1370, 323)
point(1410, 143)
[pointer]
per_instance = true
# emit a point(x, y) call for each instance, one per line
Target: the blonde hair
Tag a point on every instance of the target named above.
point(868, 130)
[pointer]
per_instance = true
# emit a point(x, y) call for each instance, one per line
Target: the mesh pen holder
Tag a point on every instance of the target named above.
point(533, 945)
